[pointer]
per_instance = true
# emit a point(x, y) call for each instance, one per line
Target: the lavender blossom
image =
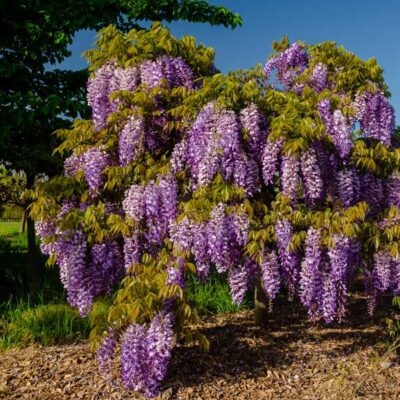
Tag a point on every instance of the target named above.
point(45, 229)
point(393, 190)
point(176, 274)
point(312, 177)
point(201, 251)
point(182, 234)
point(239, 278)
point(105, 267)
point(131, 139)
point(98, 95)
point(376, 116)
point(290, 176)
point(341, 133)
point(132, 250)
point(254, 123)
point(373, 192)
point(94, 162)
point(335, 280)
point(159, 343)
point(311, 274)
point(72, 259)
point(105, 354)
point(289, 64)
point(220, 239)
point(348, 186)
point(270, 275)
point(73, 164)
point(269, 159)
point(133, 203)
point(290, 260)
point(133, 356)
point(319, 77)
point(382, 270)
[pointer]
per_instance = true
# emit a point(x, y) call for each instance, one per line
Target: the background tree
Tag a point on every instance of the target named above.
point(34, 101)
point(12, 189)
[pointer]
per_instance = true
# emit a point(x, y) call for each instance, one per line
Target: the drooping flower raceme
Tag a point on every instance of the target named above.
point(289, 259)
point(270, 275)
point(289, 64)
point(145, 354)
point(376, 116)
point(319, 77)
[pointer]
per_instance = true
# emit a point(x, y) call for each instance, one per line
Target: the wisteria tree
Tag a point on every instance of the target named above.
point(285, 178)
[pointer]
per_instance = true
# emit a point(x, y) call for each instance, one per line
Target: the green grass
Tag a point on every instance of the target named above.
point(213, 297)
point(47, 319)
point(9, 232)
point(47, 324)
point(22, 324)
point(9, 228)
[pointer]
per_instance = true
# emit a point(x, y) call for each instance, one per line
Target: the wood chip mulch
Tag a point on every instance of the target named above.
point(290, 358)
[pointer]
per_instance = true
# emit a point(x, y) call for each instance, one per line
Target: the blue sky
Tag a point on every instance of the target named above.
point(369, 28)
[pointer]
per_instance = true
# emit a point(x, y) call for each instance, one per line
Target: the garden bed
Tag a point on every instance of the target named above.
point(290, 358)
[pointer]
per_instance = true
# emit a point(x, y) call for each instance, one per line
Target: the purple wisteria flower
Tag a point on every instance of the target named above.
point(289, 260)
point(393, 190)
point(105, 353)
point(254, 123)
point(312, 177)
point(95, 160)
point(348, 186)
point(338, 127)
point(106, 267)
point(270, 159)
point(335, 279)
point(319, 77)
point(289, 64)
point(311, 275)
point(290, 176)
point(131, 139)
point(376, 116)
point(146, 352)
point(270, 275)
point(214, 145)
point(71, 250)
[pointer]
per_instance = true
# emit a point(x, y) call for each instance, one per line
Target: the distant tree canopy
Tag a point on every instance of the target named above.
point(34, 102)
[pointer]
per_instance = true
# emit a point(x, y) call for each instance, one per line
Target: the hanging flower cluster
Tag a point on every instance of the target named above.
point(214, 145)
point(153, 208)
point(279, 182)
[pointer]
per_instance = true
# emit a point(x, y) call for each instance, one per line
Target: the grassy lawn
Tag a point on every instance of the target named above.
point(9, 227)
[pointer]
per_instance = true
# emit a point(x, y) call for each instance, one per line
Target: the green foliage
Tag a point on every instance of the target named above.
point(11, 213)
point(12, 187)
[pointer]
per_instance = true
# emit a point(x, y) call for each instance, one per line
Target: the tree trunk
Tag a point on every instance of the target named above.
point(23, 222)
point(33, 264)
point(260, 305)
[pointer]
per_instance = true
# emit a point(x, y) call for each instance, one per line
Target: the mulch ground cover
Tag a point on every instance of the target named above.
point(289, 358)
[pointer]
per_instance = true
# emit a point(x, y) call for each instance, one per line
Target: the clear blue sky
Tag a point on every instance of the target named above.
point(369, 28)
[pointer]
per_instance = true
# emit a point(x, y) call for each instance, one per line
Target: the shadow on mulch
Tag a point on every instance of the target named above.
point(240, 349)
